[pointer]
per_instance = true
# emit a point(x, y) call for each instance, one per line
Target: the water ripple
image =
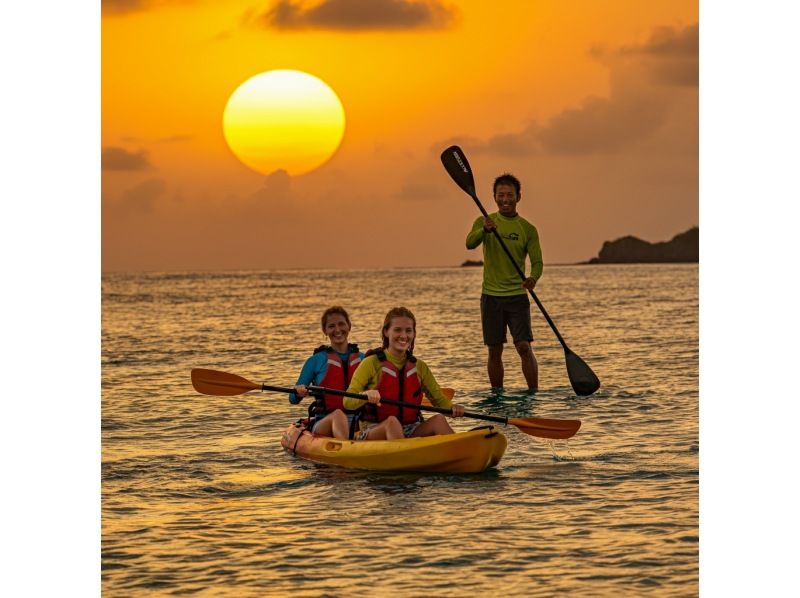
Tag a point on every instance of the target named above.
point(199, 497)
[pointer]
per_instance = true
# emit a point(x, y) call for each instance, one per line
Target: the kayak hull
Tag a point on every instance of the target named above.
point(463, 452)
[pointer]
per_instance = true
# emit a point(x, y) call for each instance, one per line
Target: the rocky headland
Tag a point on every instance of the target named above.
point(682, 248)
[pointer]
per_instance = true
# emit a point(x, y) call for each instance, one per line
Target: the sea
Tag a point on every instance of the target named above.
point(199, 498)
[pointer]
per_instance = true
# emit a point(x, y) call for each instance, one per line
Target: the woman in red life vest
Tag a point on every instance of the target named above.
point(330, 366)
point(394, 373)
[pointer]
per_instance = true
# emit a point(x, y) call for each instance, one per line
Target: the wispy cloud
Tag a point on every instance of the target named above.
point(669, 42)
point(277, 187)
point(645, 79)
point(124, 7)
point(603, 124)
point(420, 191)
point(142, 198)
point(117, 158)
point(170, 139)
point(119, 7)
point(361, 15)
point(671, 55)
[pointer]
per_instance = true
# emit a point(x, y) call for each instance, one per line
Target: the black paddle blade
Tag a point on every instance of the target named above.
point(456, 165)
point(583, 379)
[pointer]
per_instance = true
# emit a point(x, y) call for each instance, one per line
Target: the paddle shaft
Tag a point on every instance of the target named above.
point(557, 429)
point(344, 393)
point(521, 273)
point(216, 383)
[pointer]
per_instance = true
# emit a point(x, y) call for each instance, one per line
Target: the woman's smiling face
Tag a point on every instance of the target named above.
point(400, 334)
point(337, 329)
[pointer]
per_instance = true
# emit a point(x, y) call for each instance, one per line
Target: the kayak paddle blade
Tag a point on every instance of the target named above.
point(556, 429)
point(456, 165)
point(220, 384)
point(583, 379)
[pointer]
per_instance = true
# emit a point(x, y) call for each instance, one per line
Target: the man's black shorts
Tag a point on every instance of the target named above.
point(513, 312)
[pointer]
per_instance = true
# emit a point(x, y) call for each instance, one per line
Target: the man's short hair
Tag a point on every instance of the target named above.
point(507, 179)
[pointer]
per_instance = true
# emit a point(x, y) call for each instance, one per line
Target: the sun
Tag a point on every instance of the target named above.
point(283, 119)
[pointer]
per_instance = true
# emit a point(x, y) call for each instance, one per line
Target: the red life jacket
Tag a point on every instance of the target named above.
point(397, 385)
point(337, 376)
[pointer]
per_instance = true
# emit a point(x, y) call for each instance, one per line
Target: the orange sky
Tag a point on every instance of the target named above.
point(593, 105)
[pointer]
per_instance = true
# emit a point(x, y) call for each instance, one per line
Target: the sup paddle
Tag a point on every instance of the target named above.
point(583, 380)
point(216, 383)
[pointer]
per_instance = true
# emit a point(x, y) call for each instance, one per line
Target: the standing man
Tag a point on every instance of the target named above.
point(504, 298)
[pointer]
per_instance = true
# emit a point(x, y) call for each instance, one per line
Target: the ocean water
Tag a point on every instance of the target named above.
point(198, 497)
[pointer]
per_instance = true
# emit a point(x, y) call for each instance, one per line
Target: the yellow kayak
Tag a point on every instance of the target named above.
point(463, 452)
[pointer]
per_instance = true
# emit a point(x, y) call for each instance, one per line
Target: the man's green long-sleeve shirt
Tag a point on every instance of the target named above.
point(522, 239)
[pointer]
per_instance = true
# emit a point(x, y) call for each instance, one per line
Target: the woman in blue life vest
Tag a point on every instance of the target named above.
point(394, 373)
point(331, 366)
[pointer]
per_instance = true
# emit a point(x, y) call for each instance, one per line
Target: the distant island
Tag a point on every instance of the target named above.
point(472, 263)
point(682, 248)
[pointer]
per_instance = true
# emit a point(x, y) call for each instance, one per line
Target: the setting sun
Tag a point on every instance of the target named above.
point(283, 119)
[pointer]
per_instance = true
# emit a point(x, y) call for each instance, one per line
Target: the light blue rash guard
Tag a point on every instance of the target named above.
point(314, 369)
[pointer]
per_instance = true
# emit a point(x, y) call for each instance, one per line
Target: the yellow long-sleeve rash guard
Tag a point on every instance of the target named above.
point(368, 372)
point(500, 278)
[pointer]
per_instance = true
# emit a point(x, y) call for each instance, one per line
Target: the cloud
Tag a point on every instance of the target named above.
point(275, 201)
point(124, 7)
point(361, 15)
point(419, 191)
point(170, 139)
point(119, 7)
point(117, 158)
point(140, 199)
point(277, 187)
point(525, 142)
point(603, 125)
point(646, 81)
point(671, 55)
point(669, 42)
